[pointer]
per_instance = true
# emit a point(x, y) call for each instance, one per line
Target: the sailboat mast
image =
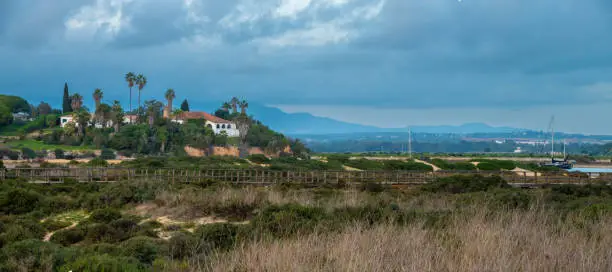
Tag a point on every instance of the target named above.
point(409, 143)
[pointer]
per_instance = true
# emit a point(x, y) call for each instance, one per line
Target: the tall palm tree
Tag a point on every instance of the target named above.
point(97, 96)
point(226, 106)
point(117, 115)
point(82, 118)
point(234, 103)
point(76, 101)
point(243, 106)
point(170, 95)
point(141, 81)
point(130, 78)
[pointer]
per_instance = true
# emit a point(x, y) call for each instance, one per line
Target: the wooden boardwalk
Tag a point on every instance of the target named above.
point(265, 177)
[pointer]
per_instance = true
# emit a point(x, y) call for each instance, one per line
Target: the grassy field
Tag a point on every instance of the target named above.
point(209, 226)
point(38, 145)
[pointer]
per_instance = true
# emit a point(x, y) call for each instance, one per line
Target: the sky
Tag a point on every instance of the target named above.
point(388, 63)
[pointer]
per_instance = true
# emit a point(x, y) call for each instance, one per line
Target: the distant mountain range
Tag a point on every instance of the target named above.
point(306, 124)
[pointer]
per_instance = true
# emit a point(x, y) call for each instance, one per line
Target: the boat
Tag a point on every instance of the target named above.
point(562, 164)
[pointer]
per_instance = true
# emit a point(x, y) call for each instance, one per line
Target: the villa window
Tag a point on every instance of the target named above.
point(223, 126)
point(218, 126)
point(229, 126)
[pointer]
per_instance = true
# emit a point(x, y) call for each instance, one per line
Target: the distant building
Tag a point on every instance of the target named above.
point(22, 116)
point(65, 119)
point(218, 125)
point(130, 118)
point(68, 118)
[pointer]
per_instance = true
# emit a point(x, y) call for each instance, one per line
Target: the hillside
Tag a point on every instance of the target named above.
point(11, 104)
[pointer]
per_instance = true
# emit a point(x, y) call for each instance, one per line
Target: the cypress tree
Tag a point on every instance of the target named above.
point(185, 106)
point(66, 105)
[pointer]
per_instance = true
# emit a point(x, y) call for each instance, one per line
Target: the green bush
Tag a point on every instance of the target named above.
point(100, 232)
point(21, 230)
point(53, 225)
point(28, 255)
point(286, 220)
point(144, 249)
point(394, 165)
point(465, 184)
point(457, 166)
point(68, 237)
point(105, 215)
point(259, 158)
point(28, 153)
point(97, 162)
point(19, 201)
point(104, 263)
point(180, 245)
point(107, 154)
point(217, 236)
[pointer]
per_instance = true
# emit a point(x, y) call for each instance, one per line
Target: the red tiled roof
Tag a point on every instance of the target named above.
point(202, 115)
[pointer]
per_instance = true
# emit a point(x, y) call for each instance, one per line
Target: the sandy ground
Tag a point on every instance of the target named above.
point(435, 168)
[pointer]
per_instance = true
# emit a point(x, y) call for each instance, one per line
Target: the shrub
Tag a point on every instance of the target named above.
point(286, 220)
point(101, 233)
point(105, 215)
point(104, 263)
point(59, 153)
point(19, 201)
point(21, 230)
point(217, 236)
point(53, 225)
point(68, 237)
point(372, 187)
point(406, 166)
point(144, 249)
point(107, 154)
point(125, 228)
point(28, 153)
point(180, 245)
point(98, 162)
point(28, 255)
point(465, 184)
point(259, 158)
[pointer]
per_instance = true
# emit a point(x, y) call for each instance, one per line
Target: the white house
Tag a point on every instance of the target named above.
point(218, 125)
point(68, 118)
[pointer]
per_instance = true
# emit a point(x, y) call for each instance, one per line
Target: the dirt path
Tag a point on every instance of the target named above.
point(435, 168)
point(50, 234)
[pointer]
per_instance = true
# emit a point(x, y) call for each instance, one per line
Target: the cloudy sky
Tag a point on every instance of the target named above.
point(389, 63)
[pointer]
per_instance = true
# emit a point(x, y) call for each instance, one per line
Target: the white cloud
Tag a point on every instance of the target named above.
point(105, 18)
point(291, 8)
point(317, 35)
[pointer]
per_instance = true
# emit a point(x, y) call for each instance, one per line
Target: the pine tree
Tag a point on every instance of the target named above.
point(185, 106)
point(66, 104)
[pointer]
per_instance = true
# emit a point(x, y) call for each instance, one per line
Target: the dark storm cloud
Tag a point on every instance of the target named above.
point(414, 53)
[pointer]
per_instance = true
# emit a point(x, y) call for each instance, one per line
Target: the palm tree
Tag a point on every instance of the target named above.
point(243, 106)
point(141, 81)
point(103, 114)
point(76, 101)
point(130, 78)
point(170, 95)
point(176, 113)
point(117, 115)
point(234, 103)
point(162, 137)
point(226, 106)
point(82, 118)
point(97, 96)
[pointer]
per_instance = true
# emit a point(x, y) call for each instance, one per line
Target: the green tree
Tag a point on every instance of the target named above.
point(82, 118)
point(103, 114)
point(243, 106)
point(141, 81)
point(226, 106)
point(66, 102)
point(117, 115)
point(130, 78)
point(162, 137)
point(234, 103)
point(43, 108)
point(185, 106)
point(28, 153)
point(97, 96)
point(76, 102)
point(176, 114)
point(170, 95)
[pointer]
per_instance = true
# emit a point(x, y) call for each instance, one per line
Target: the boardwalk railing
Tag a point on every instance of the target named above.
point(253, 176)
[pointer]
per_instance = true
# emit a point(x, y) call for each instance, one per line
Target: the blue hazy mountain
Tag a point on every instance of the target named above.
point(305, 123)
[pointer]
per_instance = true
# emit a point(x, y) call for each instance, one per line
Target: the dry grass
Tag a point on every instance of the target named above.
point(194, 203)
point(510, 241)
